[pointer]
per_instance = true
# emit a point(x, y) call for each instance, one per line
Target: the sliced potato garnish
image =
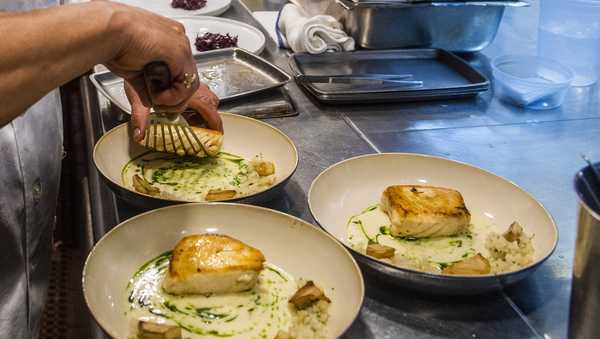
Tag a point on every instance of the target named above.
point(152, 330)
point(143, 186)
point(475, 265)
point(380, 251)
point(220, 195)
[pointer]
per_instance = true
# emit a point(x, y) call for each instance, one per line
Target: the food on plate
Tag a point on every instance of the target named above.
point(425, 211)
point(283, 335)
point(190, 5)
point(441, 237)
point(216, 195)
point(380, 251)
point(209, 41)
point(143, 186)
point(225, 176)
point(155, 330)
point(212, 263)
point(511, 250)
point(263, 168)
point(307, 295)
point(474, 265)
point(193, 141)
point(216, 286)
point(514, 232)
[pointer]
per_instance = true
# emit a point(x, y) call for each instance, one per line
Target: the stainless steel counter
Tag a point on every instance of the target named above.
point(538, 150)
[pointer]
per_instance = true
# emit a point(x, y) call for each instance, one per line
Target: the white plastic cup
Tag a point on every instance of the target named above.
point(569, 33)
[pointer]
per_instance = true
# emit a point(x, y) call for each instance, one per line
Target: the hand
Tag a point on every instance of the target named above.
point(203, 101)
point(145, 37)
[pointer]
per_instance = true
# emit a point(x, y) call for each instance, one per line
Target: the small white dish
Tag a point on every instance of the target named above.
point(530, 81)
point(297, 247)
point(244, 136)
point(249, 38)
point(348, 187)
point(163, 7)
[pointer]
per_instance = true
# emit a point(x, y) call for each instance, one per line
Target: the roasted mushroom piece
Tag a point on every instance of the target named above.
point(308, 295)
point(152, 330)
point(380, 251)
point(143, 186)
point(220, 195)
point(514, 233)
point(283, 335)
point(475, 265)
point(263, 168)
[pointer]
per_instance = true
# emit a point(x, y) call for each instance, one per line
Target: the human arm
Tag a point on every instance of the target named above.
point(49, 47)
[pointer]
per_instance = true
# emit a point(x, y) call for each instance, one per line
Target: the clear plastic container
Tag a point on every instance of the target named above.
point(531, 82)
point(569, 32)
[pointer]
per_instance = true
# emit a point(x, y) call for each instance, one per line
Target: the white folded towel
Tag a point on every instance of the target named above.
point(315, 35)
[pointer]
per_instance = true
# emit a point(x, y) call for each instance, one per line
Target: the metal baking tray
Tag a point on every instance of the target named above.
point(458, 26)
point(231, 73)
point(444, 75)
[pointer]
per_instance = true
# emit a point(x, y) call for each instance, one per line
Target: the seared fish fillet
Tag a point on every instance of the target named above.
point(194, 141)
point(212, 263)
point(425, 211)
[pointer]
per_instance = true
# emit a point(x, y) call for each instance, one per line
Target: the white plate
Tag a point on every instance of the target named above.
point(350, 186)
point(249, 38)
point(163, 7)
point(244, 136)
point(288, 242)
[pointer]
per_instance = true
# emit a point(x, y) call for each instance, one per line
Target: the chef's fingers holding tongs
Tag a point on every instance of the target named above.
point(147, 38)
point(205, 103)
point(139, 112)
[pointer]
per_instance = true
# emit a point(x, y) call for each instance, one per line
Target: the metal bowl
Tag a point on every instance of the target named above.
point(244, 136)
point(348, 187)
point(455, 26)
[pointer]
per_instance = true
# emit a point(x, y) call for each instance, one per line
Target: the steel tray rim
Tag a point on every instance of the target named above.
point(235, 51)
point(482, 85)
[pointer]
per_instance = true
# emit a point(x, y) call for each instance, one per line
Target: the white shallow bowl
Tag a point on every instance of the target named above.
point(350, 186)
point(249, 38)
point(244, 136)
point(163, 7)
point(288, 242)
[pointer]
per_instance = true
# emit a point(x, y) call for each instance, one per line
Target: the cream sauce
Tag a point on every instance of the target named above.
point(191, 178)
point(424, 254)
point(257, 313)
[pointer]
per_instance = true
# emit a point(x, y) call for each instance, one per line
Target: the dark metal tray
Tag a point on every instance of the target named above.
point(397, 2)
point(231, 73)
point(444, 75)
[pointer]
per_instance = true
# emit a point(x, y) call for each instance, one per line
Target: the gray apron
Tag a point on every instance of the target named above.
point(30, 157)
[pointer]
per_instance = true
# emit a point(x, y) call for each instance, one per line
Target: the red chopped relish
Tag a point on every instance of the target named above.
point(190, 5)
point(210, 41)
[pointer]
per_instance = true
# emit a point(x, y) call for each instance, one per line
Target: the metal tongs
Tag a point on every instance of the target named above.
point(157, 77)
point(396, 80)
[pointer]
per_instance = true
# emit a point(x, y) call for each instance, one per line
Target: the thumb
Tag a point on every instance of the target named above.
point(208, 112)
point(139, 112)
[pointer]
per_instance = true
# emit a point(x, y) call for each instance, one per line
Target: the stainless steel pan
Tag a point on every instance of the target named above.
point(455, 26)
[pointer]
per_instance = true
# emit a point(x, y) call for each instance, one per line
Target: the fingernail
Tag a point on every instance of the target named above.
point(137, 133)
